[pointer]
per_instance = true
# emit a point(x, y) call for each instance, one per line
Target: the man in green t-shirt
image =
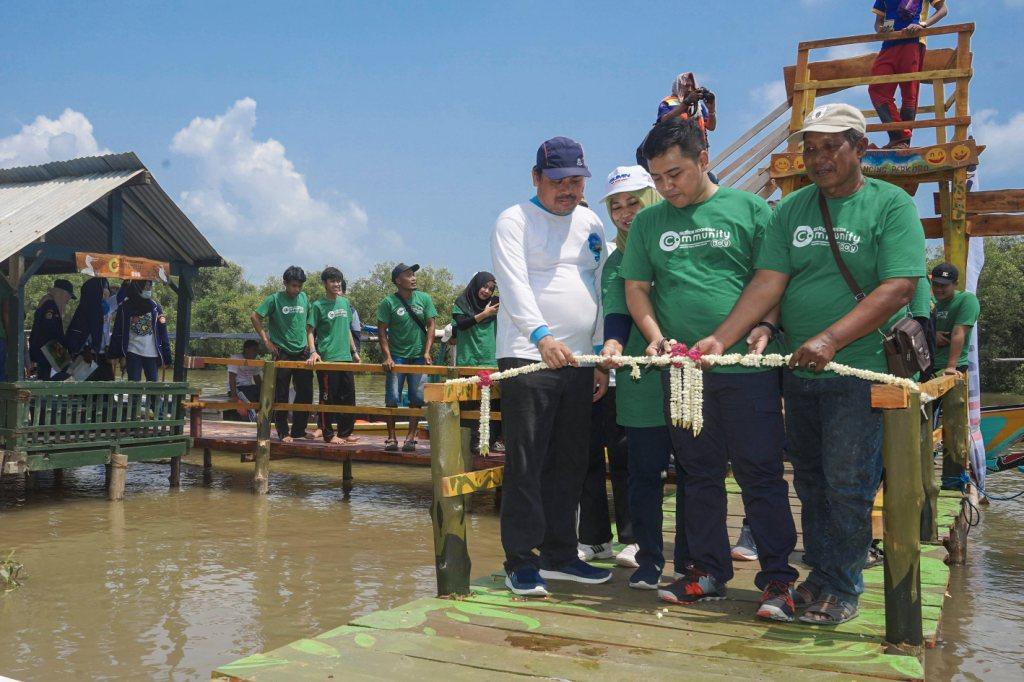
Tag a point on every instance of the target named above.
point(406, 332)
point(956, 313)
point(280, 322)
point(687, 262)
point(329, 333)
point(835, 438)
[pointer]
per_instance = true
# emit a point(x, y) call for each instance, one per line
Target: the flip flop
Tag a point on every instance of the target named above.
point(829, 610)
point(409, 446)
point(391, 445)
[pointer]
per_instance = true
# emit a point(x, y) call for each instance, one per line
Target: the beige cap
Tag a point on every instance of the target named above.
point(832, 118)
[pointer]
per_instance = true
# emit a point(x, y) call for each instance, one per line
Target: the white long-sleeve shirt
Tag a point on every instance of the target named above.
point(548, 269)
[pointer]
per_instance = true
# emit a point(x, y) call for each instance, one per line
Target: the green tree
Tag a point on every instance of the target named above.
point(1001, 295)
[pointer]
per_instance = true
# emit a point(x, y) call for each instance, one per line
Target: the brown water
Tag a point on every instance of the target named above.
point(169, 584)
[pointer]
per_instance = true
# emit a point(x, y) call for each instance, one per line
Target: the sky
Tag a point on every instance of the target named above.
point(342, 133)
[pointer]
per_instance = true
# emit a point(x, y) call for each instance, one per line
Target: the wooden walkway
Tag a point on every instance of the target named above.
point(607, 632)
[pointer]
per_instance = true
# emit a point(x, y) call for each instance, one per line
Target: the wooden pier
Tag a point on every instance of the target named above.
point(598, 632)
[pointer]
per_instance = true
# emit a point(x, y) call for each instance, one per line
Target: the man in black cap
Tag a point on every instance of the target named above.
point(956, 313)
point(406, 332)
point(548, 253)
point(48, 326)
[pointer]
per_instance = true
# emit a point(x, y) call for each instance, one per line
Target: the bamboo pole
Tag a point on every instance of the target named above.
point(264, 424)
point(930, 508)
point(902, 523)
point(448, 514)
point(118, 473)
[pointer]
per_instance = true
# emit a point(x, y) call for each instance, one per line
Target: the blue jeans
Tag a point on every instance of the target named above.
point(134, 365)
point(649, 449)
point(835, 446)
point(742, 425)
point(393, 384)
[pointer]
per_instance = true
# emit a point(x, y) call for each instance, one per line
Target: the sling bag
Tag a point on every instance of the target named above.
point(418, 321)
point(906, 345)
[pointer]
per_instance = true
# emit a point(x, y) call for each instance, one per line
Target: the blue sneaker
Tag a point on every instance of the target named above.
point(526, 582)
point(645, 578)
point(578, 572)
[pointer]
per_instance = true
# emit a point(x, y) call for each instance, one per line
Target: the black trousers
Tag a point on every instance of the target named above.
point(337, 388)
point(595, 524)
point(546, 418)
point(302, 379)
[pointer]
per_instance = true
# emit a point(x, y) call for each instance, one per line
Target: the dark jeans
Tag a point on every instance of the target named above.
point(43, 371)
point(835, 446)
point(649, 453)
point(135, 365)
point(337, 388)
point(595, 524)
point(742, 425)
point(546, 416)
point(302, 379)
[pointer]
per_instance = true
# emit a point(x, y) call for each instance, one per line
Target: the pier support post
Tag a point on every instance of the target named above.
point(175, 476)
point(58, 478)
point(195, 418)
point(901, 448)
point(451, 554)
point(955, 453)
point(930, 508)
point(118, 473)
point(346, 476)
point(207, 459)
point(264, 423)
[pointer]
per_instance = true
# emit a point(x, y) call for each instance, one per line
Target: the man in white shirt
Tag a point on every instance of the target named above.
point(548, 253)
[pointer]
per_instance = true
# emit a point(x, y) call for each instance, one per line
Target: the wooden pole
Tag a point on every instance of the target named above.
point(346, 475)
point(264, 423)
point(175, 477)
point(58, 478)
point(955, 450)
point(902, 523)
point(930, 508)
point(118, 473)
point(207, 459)
point(195, 418)
point(451, 554)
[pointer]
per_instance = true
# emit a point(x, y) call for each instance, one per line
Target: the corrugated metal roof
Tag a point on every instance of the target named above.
point(66, 202)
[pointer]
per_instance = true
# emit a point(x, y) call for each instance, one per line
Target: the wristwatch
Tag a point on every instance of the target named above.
point(771, 327)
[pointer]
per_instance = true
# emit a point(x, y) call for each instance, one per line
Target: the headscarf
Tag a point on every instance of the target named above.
point(683, 81)
point(648, 196)
point(134, 303)
point(469, 301)
point(87, 322)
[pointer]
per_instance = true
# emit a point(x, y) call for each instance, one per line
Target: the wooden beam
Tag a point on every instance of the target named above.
point(472, 481)
point(995, 225)
point(750, 134)
point(754, 155)
point(886, 397)
point(990, 201)
point(940, 385)
point(945, 74)
point(199, 361)
point(443, 393)
point(967, 27)
point(920, 123)
point(860, 67)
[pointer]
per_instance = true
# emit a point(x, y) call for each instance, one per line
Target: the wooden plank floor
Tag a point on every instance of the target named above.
point(607, 632)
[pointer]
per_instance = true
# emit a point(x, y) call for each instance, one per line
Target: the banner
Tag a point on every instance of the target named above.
point(975, 262)
point(121, 267)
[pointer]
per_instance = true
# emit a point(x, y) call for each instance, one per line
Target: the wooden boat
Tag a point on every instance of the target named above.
point(1002, 427)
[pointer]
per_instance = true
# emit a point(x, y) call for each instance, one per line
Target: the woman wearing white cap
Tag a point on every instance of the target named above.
point(638, 405)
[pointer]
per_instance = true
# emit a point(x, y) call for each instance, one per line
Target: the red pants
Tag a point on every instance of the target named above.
point(902, 58)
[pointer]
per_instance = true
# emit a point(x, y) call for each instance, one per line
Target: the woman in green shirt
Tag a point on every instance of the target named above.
point(475, 319)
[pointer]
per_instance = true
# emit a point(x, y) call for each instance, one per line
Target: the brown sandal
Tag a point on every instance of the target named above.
point(829, 610)
point(805, 594)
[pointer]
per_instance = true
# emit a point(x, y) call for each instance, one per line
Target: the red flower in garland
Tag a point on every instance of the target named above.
point(694, 354)
point(678, 350)
point(485, 378)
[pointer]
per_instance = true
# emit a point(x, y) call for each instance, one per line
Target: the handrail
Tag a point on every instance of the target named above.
point(198, 362)
point(967, 27)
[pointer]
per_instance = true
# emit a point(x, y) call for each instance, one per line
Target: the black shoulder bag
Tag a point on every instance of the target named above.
point(906, 345)
point(417, 320)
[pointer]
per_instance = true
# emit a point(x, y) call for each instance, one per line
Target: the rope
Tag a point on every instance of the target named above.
point(686, 380)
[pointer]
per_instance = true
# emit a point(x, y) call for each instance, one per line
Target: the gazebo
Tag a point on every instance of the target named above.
point(51, 217)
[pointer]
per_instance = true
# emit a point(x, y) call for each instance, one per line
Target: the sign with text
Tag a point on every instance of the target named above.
point(121, 267)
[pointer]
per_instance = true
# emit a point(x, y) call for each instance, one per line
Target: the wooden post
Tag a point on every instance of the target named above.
point(118, 472)
point(264, 424)
point(195, 418)
point(930, 508)
point(466, 435)
point(902, 523)
point(207, 459)
point(58, 478)
point(451, 554)
point(183, 322)
point(346, 475)
point(175, 477)
point(955, 447)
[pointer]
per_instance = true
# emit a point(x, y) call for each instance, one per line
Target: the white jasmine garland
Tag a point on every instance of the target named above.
point(485, 420)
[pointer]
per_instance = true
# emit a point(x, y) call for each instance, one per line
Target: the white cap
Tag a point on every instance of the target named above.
point(832, 118)
point(627, 179)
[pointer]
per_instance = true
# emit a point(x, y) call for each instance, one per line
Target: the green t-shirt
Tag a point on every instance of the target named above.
point(638, 404)
point(699, 258)
point(880, 237)
point(477, 345)
point(405, 337)
point(963, 309)
point(286, 320)
point(920, 305)
point(330, 321)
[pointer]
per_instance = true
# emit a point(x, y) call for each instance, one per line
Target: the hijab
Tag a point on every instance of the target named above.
point(134, 302)
point(87, 322)
point(469, 301)
point(648, 196)
point(682, 81)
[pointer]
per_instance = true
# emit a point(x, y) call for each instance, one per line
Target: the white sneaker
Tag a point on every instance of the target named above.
point(627, 557)
point(591, 552)
point(745, 549)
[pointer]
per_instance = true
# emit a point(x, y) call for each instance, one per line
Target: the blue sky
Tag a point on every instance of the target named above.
point(349, 133)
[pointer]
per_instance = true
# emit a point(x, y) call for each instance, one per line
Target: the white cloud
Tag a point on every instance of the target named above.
point(249, 192)
point(1005, 141)
point(46, 139)
point(769, 95)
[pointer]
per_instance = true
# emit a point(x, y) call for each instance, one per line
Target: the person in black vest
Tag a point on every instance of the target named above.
point(48, 325)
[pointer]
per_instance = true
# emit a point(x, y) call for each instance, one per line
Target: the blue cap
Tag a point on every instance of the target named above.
point(561, 157)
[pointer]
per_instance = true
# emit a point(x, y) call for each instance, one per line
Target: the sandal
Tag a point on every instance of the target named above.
point(390, 445)
point(876, 555)
point(409, 446)
point(805, 594)
point(829, 610)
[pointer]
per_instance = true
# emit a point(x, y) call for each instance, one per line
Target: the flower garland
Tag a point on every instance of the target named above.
point(686, 380)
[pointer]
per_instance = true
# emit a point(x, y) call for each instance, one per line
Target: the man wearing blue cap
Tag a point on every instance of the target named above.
point(548, 253)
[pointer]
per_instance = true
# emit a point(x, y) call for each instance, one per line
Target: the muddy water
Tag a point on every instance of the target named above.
point(170, 584)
